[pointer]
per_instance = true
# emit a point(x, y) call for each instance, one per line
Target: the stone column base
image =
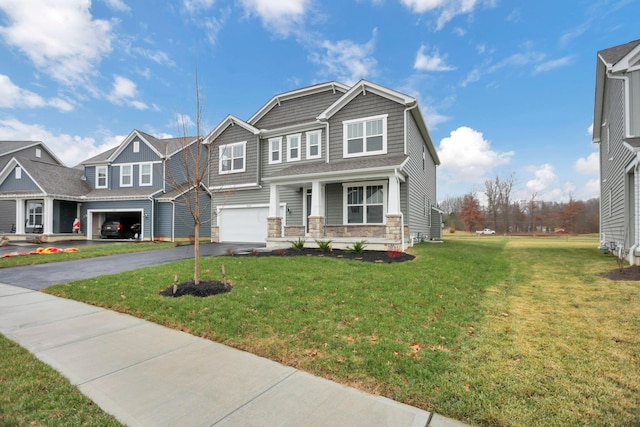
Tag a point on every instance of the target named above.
point(316, 227)
point(215, 234)
point(274, 227)
point(394, 227)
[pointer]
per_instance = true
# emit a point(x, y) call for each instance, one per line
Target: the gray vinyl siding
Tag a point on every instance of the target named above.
point(292, 197)
point(146, 154)
point(184, 222)
point(90, 174)
point(363, 106)
point(13, 184)
point(634, 103)
point(184, 160)
point(124, 206)
point(163, 220)
point(298, 110)
point(421, 182)
point(232, 135)
point(334, 194)
point(7, 215)
point(612, 171)
point(29, 153)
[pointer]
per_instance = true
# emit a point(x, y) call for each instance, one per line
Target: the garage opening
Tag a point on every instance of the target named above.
point(247, 224)
point(118, 225)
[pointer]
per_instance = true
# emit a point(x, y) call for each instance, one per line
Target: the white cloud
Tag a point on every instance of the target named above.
point(553, 64)
point(446, 9)
point(156, 56)
point(589, 165)
point(118, 5)
point(545, 176)
point(346, 60)
point(591, 189)
point(70, 149)
point(590, 130)
point(12, 96)
point(61, 38)
point(472, 77)
point(467, 157)
point(124, 91)
point(281, 16)
point(433, 62)
point(193, 6)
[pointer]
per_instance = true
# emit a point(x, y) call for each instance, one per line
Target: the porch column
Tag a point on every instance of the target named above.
point(393, 216)
point(274, 221)
point(316, 219)
point(47, 220)
point(20, 216)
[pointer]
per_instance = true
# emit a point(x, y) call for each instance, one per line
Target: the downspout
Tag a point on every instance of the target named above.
point(395, 173)
point(173, 220)
point(406, 126)
point(151, 220)
point(632, 250)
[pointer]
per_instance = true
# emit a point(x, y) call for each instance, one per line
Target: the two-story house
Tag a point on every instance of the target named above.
point(326, 162)
point(38, 193)
point(148, 181)
point(616, 128)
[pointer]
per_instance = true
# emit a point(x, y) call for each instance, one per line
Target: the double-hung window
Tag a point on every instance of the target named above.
point(34, 213)
point(146, 174)
point(363, 137)
point(313, 144)
point(233, 157)
point(101, 177)
point(275, 150)
point(126, 175)
point(293, 147)
point(364, 203)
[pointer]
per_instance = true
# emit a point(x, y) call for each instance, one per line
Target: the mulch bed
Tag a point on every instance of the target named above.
point(630, 273)
point(366, 256)
point(204, 289)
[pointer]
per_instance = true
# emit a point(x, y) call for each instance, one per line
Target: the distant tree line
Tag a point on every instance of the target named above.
point(505, 215)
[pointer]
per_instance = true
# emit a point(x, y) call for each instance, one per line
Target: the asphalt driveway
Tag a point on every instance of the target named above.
point(37, 277)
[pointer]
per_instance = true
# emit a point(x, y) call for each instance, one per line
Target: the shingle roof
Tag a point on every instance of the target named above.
point(342, 165)
point(102, 157)
point(55, 179)
point(633, 142)
point(129, 193)
point(7, 147)
point(614, 54)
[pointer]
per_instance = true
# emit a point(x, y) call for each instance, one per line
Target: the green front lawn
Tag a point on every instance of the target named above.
point(490, 331)
point(93, 251)
point(33, 394)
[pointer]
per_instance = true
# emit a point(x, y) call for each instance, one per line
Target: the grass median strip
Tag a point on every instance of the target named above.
point(33, 394)
point(491, 331)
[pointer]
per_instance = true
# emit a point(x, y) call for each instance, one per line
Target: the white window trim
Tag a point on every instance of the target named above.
point(18, 172)
point(136, 146)
point(140, 183)
point(345, 124)
point(308, 137)
point(122, 166)
point(38, 153)
point(271, 150)
point(289, 138)
point(365, 184)
point(106, 177)
point(30, 223)
point(244, 157)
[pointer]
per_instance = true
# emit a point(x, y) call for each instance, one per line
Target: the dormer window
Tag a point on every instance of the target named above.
point(293, 147)
point(364, 137)
point(101, 177)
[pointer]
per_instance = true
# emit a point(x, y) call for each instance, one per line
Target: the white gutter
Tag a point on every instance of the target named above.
point(406, 124)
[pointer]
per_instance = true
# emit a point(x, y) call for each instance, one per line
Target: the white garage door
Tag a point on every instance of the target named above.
point(244, 224)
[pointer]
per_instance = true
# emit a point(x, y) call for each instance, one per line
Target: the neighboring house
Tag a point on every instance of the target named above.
point(144, 181)
point(37, 192)
point(326, 162)
point(616, 127)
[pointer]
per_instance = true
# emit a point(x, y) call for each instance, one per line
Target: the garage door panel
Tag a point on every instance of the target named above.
point(246, 224)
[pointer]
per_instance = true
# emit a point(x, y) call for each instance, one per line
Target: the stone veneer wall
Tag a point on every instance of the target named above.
point(371, 231)
point(215, 233)
point(294, 231)
point(274, 227)
point(394, 227)
point(316, 227)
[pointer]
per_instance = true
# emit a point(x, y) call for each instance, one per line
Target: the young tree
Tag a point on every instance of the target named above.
point(190, 183)
point(471, 213)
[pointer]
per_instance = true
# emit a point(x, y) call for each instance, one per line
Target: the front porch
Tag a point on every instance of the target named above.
point(50, 238)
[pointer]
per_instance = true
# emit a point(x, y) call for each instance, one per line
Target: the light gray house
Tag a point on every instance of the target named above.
point(326, 162)
point(145, 180)
point(616, 128)
point(38, 194)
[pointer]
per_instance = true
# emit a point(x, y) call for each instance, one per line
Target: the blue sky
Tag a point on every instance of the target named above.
point(505, 86)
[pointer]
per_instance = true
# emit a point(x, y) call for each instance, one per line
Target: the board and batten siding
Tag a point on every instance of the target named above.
point(163, 220)
point(7, 215)
point(184, 159)
point(232, 135)
point(22, 184)
point(302, 109)
point(614, 158)
point(363, 106)
point(146, 153)
point(260, 196)
point(184, 222)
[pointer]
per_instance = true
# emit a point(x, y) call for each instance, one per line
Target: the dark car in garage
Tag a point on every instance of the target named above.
point(119, 229)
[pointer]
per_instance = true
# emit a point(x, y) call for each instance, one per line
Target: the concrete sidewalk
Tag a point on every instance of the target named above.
point(148, 375)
